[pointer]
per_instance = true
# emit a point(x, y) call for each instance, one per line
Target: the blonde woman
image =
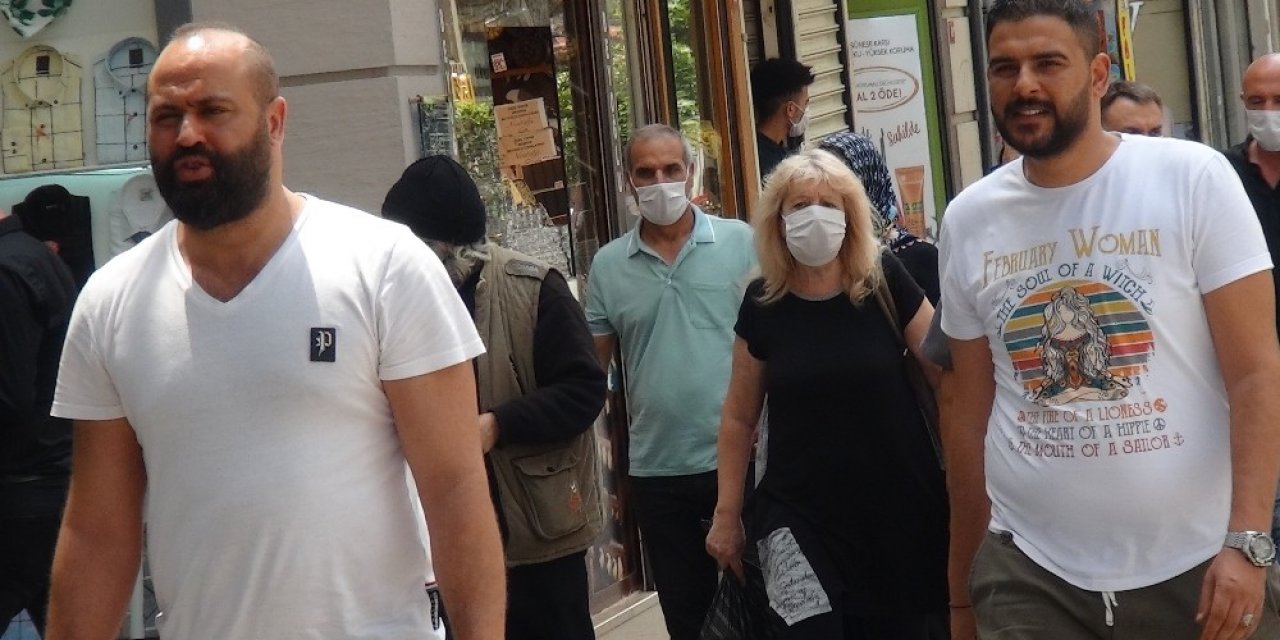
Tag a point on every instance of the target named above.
point(850, 519)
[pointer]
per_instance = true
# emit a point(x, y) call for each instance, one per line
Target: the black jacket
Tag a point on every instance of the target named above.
point(1265, 199)
point(36, 296)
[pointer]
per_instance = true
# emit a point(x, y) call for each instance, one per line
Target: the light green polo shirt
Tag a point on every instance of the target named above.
point(675, 325)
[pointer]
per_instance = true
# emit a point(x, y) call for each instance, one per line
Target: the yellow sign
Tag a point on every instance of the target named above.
point(1125, 34)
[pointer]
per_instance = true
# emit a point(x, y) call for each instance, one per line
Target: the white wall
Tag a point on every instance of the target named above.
point(348, 71)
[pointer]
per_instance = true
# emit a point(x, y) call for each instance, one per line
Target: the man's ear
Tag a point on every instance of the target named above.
point(277, 110)
point(1100, 72)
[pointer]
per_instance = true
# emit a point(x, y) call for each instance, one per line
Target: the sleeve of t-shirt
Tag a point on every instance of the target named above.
point(85, 390)
point(960, 319)
point(746, 327)
point(596, 310)
point(935, 345)
point(907, 295)
point(1227, 238)
point(423, 325)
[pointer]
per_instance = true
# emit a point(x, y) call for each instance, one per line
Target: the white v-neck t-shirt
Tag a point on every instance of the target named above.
point(278, 502)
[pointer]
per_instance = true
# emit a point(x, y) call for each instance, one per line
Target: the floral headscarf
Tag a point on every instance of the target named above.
point(861, 155)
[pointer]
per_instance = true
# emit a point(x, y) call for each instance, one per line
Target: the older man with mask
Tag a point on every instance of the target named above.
point(668, 291)
point(1257, 160)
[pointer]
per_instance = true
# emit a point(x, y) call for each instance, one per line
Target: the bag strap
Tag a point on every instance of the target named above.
point(884, 298)
point(915, 375)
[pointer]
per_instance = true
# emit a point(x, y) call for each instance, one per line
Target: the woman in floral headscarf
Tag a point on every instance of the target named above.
point(919, 256)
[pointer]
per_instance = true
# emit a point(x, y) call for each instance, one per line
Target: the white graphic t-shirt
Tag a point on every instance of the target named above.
point(1107, 450)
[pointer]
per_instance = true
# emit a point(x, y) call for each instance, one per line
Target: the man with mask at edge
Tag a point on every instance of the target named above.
point(780, 99)
point(668, 292)
point(1257, 160)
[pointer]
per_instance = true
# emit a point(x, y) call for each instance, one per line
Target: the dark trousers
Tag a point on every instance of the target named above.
point(1016, 599)
point(670, 512)
point(30, 514)
point(549, 600)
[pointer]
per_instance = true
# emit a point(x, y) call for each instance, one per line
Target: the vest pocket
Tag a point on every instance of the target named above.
point(553, 495)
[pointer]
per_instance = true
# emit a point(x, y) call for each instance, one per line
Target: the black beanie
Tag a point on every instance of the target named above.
point(437, 200)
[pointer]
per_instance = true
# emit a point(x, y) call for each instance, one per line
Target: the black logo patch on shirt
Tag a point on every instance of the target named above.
point(324, 344)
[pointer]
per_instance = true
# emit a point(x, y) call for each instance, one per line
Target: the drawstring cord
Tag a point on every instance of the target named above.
point(1109, 600)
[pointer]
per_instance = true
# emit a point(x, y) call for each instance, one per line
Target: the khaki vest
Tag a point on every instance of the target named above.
point(549, 493)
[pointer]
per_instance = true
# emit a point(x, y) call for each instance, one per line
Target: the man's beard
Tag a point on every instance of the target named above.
point(1067, 126)
point(238, 184)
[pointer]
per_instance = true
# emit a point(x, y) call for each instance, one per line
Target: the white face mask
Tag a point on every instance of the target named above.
point(814, 234)
point(800, 126)
point(1264, 126)
point(662, 203)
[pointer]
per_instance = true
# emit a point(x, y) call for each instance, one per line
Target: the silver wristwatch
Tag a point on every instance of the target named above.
point(1257, 546)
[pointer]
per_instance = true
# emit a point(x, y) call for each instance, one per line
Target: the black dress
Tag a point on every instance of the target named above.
point(851, 470)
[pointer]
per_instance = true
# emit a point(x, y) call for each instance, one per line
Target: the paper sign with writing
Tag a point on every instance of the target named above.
point(520, 117)
point(526, 148)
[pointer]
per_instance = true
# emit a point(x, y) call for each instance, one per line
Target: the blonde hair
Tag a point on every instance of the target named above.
point(859, 255)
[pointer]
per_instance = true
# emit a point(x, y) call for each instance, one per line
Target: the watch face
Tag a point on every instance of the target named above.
point(1262, 547)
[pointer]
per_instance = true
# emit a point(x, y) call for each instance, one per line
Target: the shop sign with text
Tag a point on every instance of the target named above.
point(889, 108)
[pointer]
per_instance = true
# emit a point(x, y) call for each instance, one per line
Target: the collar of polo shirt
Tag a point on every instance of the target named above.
point(702, 232)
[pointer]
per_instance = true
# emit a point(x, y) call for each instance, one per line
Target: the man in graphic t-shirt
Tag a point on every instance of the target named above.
point(1115, 355)
point(264, 374)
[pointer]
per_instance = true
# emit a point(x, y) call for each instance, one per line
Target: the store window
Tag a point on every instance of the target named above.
point(706, 60)
point(695, 109)
point(540, 101)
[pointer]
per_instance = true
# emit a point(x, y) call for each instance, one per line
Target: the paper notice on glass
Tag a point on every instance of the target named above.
point(526, 148)
point(516, 118)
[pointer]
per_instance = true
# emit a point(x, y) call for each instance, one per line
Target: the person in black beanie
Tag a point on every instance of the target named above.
point(540, 389)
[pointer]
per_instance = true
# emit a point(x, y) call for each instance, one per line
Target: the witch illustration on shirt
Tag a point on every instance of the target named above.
point(1075, 354)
